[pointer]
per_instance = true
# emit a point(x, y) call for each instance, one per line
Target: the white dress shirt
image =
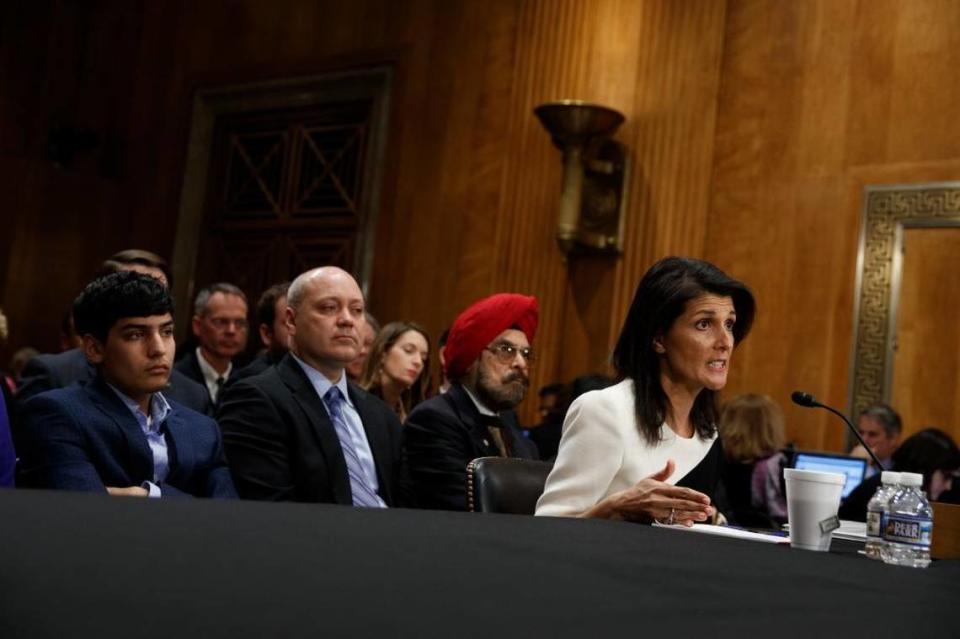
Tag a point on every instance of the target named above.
point(210, 375)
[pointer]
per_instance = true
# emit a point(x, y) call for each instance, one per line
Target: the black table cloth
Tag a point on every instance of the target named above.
point(88, 565)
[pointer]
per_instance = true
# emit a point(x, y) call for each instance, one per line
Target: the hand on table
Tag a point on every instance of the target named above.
point(652, 499)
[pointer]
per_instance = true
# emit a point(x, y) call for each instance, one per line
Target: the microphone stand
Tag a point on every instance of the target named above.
point(807, 401)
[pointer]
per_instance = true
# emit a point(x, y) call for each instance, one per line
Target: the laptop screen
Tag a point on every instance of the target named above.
point(853, 467)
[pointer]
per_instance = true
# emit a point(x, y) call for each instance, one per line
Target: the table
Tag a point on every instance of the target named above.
point(87, 565)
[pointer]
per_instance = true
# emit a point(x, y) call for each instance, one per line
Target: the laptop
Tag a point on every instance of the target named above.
point(854, 468)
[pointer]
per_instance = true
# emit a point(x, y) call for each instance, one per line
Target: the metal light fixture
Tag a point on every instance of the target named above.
point(594, 165)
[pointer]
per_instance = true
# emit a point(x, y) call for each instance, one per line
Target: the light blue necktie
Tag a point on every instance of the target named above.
point(363, 494)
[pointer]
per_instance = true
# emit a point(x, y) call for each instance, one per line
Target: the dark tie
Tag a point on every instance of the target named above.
point(499, 433)
point(219, 382)
point(363, 494)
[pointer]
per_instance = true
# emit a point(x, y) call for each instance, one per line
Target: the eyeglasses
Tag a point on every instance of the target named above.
point(224, 323)
point(507, 352)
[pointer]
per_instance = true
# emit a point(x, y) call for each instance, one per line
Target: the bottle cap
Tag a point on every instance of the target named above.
point(888, 477)
point(914, 480)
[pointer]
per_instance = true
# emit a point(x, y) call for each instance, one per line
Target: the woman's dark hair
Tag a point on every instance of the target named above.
point(386, 338)
point(661, 297)
point(112, 297)
point(925, 452)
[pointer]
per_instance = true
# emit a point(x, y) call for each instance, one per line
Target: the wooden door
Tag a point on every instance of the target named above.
point(926, 374)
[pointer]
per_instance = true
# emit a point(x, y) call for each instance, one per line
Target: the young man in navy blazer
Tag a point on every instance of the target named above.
point(117, 433)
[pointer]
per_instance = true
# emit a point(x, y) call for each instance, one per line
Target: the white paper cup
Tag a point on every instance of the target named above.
point(813, 498)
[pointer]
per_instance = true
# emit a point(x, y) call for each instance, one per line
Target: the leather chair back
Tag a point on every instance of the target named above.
point(505, 485)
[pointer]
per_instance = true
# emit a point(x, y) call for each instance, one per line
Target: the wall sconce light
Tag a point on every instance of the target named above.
point(594, 166)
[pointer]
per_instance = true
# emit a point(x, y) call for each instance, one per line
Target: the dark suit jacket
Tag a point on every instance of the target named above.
point(189, 366)
point(259, 364)
point(83, 437)
point(281, 445)
point(58, 370)
point(442, 436)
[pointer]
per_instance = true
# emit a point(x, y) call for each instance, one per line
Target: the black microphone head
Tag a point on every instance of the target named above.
point(803, 399)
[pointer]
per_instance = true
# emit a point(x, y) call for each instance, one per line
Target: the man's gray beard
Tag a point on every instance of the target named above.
point(500, 397)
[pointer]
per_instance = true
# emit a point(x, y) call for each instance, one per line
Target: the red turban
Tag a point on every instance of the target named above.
point(477, 326)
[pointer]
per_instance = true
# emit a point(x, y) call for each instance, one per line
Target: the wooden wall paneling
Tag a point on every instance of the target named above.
point(814, 104)
point(443, 235)
point(750, 125)
point(776, 165)
point(564, 50)
point(926, 374)
point(924, 86)
point(677, 79)
point(552, 38)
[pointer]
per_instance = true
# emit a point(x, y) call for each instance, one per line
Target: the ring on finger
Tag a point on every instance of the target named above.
point(672, 513)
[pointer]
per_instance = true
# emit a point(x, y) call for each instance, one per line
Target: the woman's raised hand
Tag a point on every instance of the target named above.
point(652, 499)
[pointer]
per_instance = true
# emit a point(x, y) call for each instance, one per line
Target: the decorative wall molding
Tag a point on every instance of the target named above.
point(887, 211)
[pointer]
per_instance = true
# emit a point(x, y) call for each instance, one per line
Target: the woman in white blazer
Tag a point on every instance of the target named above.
point(646, 449)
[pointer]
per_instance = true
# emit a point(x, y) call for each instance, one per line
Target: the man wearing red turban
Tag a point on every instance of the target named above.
point(487, 358)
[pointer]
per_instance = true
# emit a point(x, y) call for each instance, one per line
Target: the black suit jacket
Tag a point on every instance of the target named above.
point(259, 364)
point(282, 446)
point(83, 437)
point(58, 370)
point(189, 366)
point(442, 436)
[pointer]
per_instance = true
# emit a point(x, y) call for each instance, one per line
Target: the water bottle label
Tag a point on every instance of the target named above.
point(904, 529)
point(873, 523)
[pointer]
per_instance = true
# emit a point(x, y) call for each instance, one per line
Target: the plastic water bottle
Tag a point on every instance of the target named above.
point(878, 505)
point(908, 525)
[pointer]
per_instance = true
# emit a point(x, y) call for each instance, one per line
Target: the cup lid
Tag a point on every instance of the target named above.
point(796, 474)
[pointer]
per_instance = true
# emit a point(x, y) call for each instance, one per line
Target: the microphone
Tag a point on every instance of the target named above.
point(809, 401)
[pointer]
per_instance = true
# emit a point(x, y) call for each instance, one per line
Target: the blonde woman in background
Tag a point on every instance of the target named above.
point(751, 428)
point(397, 369)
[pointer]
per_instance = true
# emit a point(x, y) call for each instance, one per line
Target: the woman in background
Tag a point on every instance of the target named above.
point(930, 452)
point(647, 449)
point(398, 367)
point(751, 427)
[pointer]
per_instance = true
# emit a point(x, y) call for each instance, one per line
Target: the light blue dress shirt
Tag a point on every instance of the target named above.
point(358, 436)
point(150, 425)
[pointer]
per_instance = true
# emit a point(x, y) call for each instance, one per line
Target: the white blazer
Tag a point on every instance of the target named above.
point(602, 452)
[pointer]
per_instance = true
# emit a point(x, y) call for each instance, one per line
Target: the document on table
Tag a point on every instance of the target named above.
point(730, 531)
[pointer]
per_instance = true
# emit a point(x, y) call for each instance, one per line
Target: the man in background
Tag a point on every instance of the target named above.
point(220, 327)
point(551, 410)
point(880, 426)
point(272, 329)
point(368, 333)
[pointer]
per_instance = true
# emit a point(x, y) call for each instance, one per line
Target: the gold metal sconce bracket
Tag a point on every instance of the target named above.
point(594, 169)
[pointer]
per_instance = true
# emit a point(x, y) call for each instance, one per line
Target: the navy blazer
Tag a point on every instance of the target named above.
point(58, 370)
point(84, 437)
point(442, 436)
point(282, 446)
